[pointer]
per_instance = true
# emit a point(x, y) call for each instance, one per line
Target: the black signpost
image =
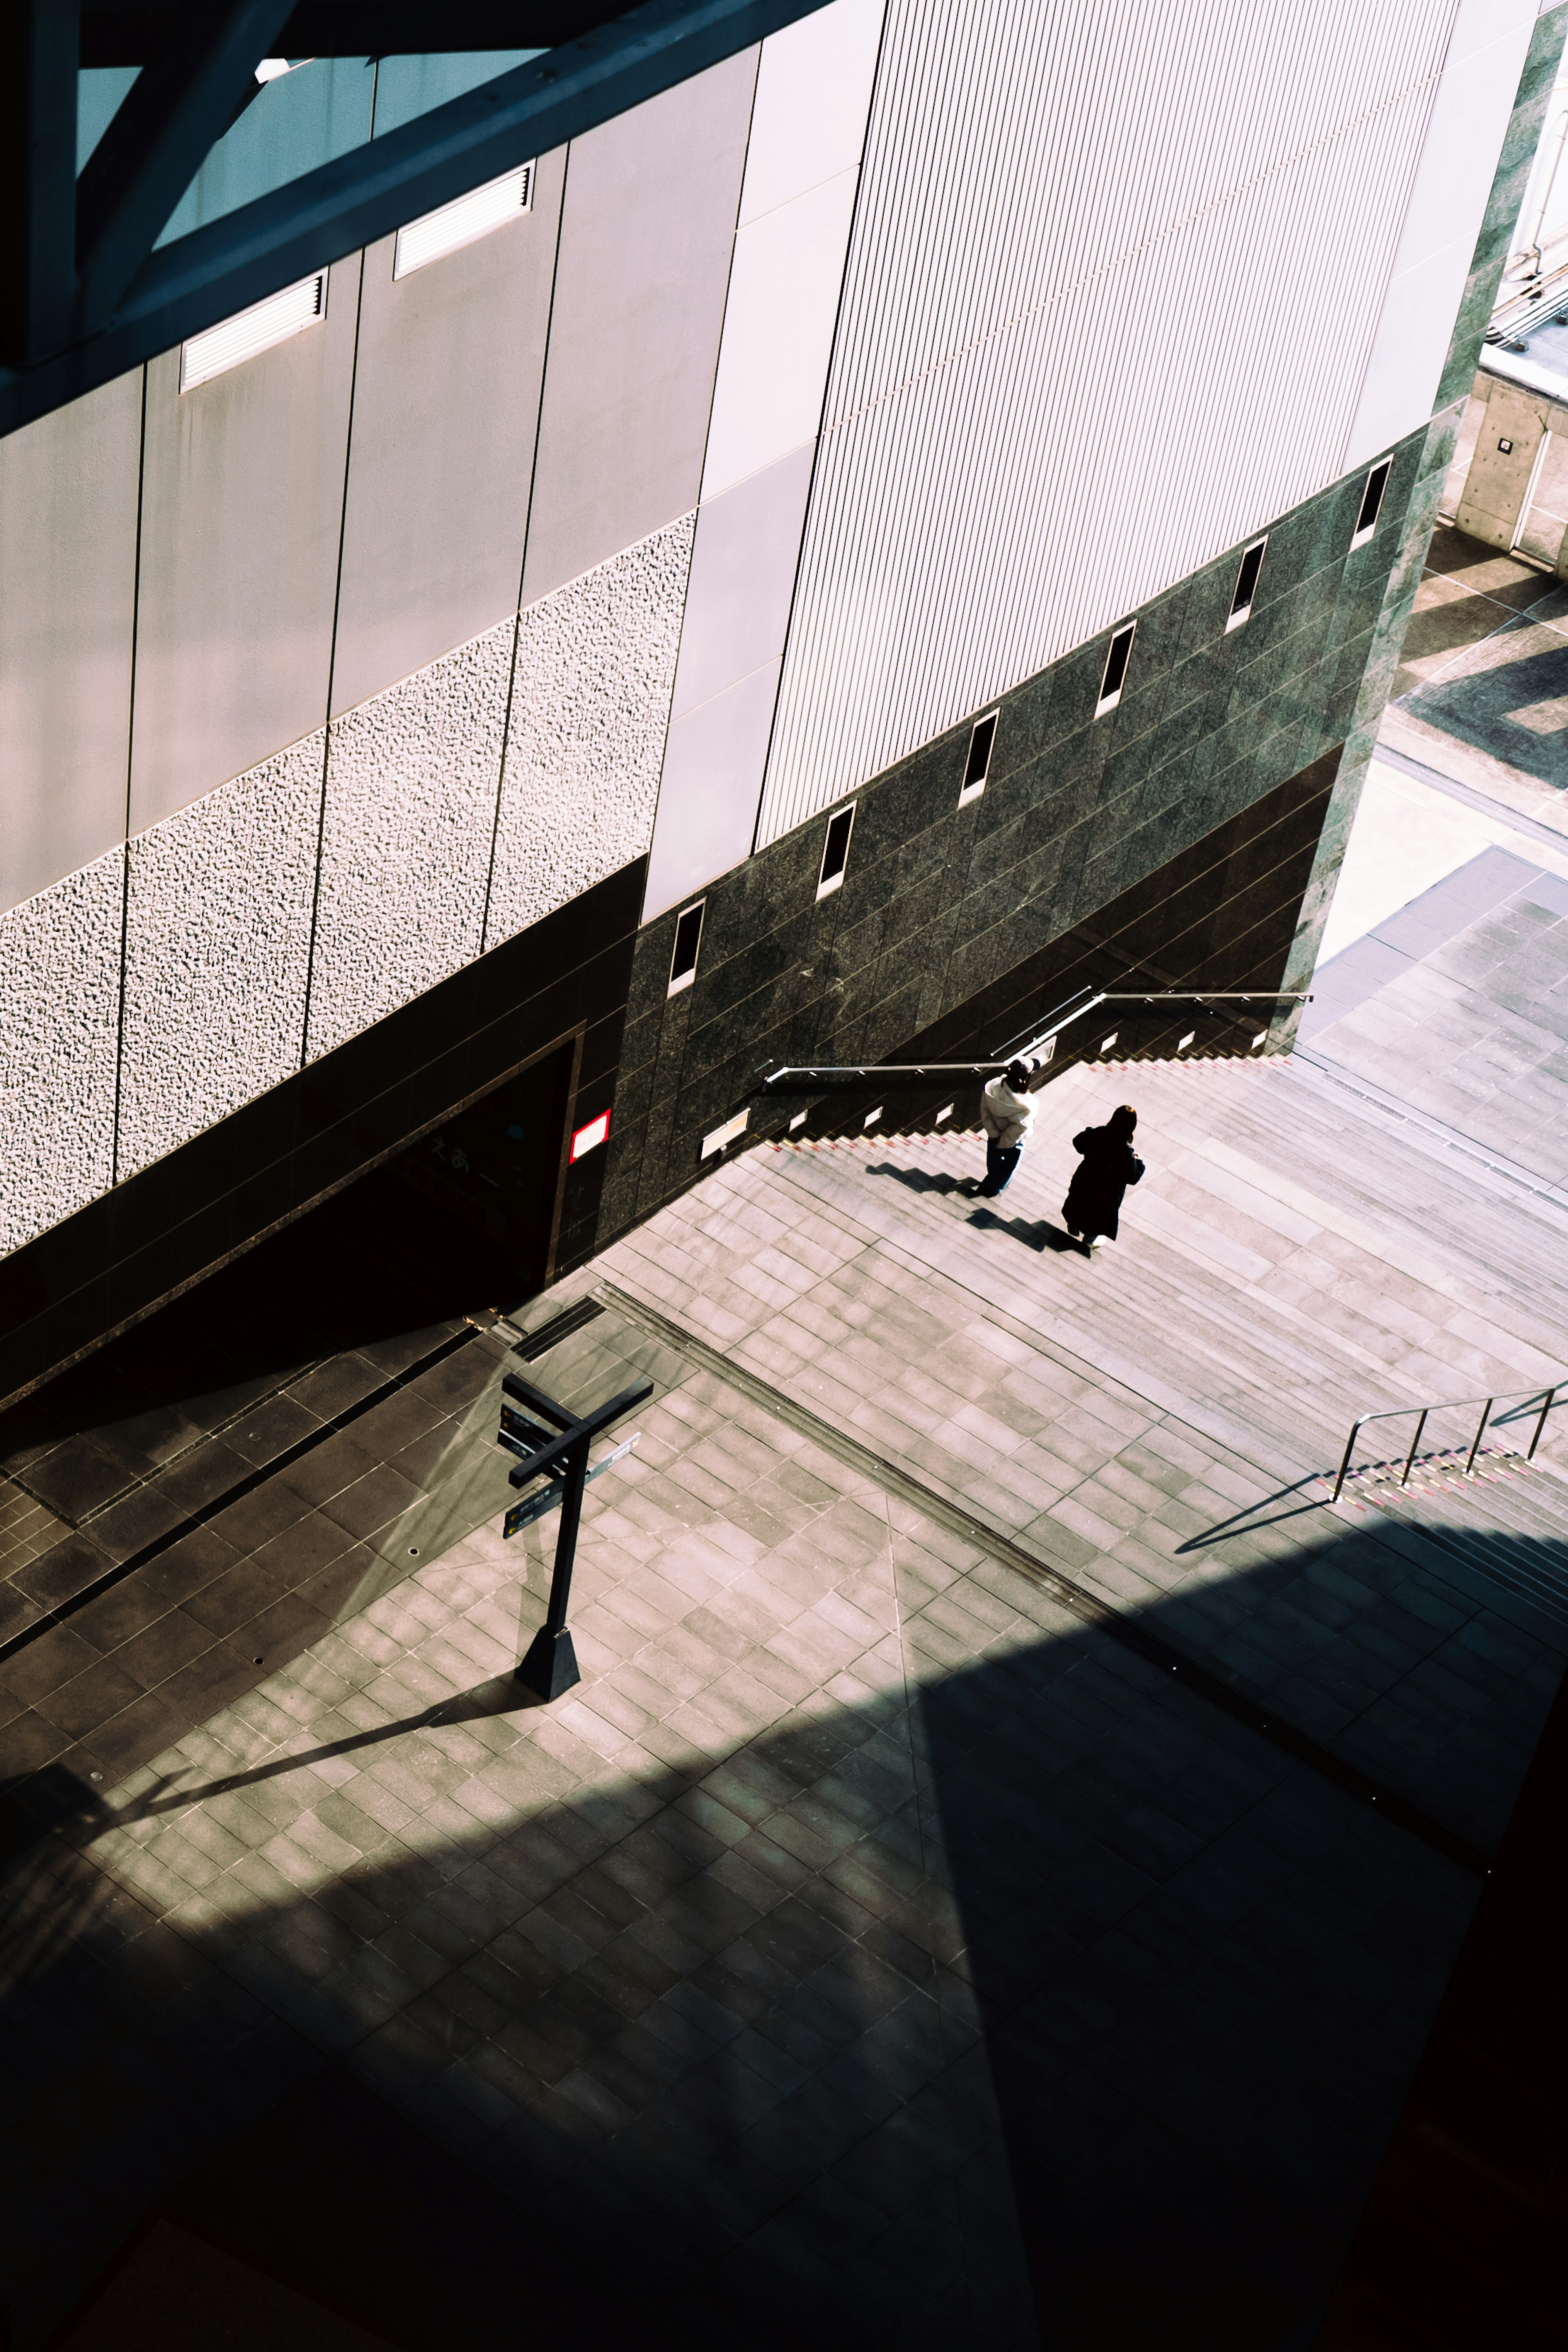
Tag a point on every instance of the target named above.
point(553, 1445)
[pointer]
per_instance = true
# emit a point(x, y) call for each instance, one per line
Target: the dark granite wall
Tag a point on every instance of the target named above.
point(1222, 914)
point(940, 904)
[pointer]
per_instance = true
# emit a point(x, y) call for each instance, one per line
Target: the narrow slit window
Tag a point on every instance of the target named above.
point(1247, 584)
point(1372, 502)
point(234, 341)
point(688, 939)
point(835, 850)
point(977, 767)
point(1115, 662)
point(436, 234)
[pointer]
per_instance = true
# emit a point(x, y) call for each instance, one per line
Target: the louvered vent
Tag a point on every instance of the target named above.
point(459, 222)
point(224, 346)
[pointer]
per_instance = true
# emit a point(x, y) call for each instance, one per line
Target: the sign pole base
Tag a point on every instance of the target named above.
point(551, 1666)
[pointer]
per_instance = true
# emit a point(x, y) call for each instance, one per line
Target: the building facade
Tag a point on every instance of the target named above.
point(384, 698)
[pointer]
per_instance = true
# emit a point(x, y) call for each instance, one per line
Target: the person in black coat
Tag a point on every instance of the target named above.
point(1108, 1165)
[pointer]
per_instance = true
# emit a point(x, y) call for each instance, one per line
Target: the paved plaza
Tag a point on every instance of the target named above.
point(994, 1879)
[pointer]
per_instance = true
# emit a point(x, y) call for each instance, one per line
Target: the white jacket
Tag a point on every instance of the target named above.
point(1006, 1117)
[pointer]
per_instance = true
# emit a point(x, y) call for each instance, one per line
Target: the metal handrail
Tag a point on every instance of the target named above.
point(1448, 1404)
point(1045, 1038)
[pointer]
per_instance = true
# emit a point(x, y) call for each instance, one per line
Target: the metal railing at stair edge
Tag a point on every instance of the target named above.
point(1450, 1404)
point(1041, 1046)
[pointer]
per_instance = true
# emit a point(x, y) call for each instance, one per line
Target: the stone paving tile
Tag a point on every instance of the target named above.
point(1237, 1560)
point(257, 1583)
point(767, 1945)
point(859, 1891)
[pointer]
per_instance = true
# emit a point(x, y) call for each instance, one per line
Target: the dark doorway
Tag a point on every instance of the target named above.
point(458, 1223)
point(490, 1175)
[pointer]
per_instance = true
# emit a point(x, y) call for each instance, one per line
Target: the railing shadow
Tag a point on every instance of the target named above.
point(1037, 1234)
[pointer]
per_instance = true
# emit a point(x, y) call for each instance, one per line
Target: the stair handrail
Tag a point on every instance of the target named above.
point(1449, 1404)
point(1041, 1046)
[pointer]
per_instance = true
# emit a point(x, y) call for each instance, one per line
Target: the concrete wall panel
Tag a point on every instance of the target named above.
point(68, 579)
point(1006, 469)
point(649, 216)
point(446, 410)
point(242, 509)
point(778, 332)
point(708, 796)
point(412, 778)
point(1447, 204)
point(59, 955)
point(813, 85)
point(742, 576)
point(217, 946)
point(595, 664)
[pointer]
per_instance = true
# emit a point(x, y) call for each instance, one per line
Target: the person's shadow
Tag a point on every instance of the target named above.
point(1037, 1234)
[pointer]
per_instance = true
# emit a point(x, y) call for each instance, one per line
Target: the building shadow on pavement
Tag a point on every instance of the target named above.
point(1040, 1999)
point(1508, 695)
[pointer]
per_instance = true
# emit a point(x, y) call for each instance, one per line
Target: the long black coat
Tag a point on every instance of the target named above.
point(1094, 1197)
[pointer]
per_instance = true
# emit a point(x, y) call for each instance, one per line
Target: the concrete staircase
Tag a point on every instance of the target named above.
point(1295, 1257)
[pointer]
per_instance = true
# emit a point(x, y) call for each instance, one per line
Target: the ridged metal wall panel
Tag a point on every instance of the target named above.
point(1114, 277)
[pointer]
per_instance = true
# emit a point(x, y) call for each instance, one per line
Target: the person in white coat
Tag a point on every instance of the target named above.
point(1007, 1113)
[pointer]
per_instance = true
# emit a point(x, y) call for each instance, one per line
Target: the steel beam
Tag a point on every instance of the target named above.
point(128, 32)
point(37, 179)
point(231, 263)
point(177, 108)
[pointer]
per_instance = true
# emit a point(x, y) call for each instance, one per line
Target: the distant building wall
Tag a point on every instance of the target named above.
point(1513, 496)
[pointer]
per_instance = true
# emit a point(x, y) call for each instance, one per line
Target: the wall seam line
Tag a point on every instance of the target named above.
point(701, 472)
point(332, 651)
point(130, 756)
point(821, 416)
point(523, 558)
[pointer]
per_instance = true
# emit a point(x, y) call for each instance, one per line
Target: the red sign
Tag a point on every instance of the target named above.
point(587, 1138)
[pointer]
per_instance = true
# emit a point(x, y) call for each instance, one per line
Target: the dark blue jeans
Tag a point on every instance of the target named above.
point(999, 1165)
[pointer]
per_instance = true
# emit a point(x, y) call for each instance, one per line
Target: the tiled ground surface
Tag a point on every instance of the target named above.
point(858, 1898)
point(232, 1587)
point(1467, 591)
point(1472, 1028)
point(1481, 692)
point(869, 1946)
point(26, 1528)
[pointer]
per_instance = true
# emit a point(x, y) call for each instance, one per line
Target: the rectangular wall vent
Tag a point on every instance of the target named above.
point(977, 767)
point(461, 222)
point(1116, 661)
point(1372, 502)
point(725, 1134)
point(835, 850)
point(1247, 584)
point(233, 340)
point(683, 957)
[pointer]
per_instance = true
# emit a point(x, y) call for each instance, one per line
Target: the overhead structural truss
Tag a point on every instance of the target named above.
point(86, 291)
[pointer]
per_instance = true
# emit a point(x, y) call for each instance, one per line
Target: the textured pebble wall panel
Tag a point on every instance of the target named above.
point(60, 1020)
point(595, 670)
point(218, 950)
point(412, 778)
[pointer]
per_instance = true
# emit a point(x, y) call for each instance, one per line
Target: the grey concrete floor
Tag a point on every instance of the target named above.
point(1482, 688)
point(874, 1941)
point(995, 1877)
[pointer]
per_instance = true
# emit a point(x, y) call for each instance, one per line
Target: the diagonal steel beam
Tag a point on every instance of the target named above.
point(253, 251)
point(179, 106)
point(128, 32)
point(37, 179)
